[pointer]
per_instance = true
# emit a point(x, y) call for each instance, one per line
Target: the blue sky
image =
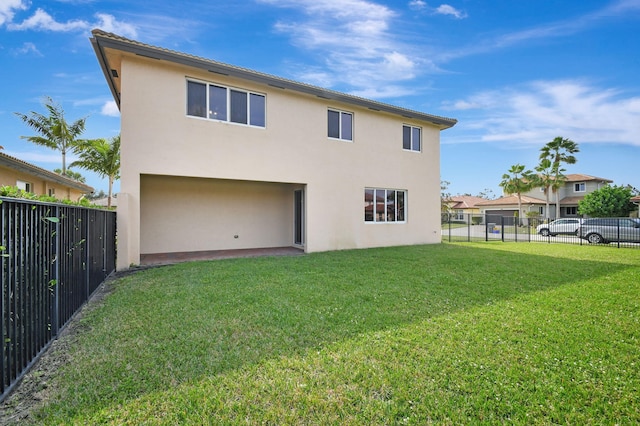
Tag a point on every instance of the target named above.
point(515, 73)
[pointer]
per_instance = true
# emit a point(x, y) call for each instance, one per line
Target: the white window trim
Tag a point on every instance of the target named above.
point(340, 112)
point(411, 127)
point(580, 183)
point(406, 209)
point(24, 185)
point(229, 89)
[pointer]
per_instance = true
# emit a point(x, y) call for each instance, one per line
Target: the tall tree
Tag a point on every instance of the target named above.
point(53, 129)
point(560, 150)
point(445, 197)
point(516, 181)
point(548, 178)
point(103, 157)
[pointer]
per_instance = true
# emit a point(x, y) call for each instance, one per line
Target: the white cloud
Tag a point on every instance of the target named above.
point(26, 48)
point(355, 40)
point(445, 9)
point(8, 9)
point(541, 110)
point(110, 109)
point(41, 20)
point(110, 24)
point(37, 157)
point(417, 4)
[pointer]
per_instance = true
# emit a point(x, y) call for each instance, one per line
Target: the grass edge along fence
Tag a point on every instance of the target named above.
point(54, 256)
point(486, 227)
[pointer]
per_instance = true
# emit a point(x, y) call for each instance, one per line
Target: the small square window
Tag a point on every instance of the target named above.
point(25, 186)
point(579, 187)
point(411, 138)
point(340, 125)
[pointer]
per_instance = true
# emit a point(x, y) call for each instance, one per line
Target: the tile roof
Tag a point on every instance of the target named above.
point(511, 200)
point(23, 166)
point(576, 177)
point(571, 200)
point(465, 201)
point(102, 40)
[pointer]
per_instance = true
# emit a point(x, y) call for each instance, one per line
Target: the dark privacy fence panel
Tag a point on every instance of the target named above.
point(54, 257)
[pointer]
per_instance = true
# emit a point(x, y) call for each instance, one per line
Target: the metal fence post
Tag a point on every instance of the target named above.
point(55, 274)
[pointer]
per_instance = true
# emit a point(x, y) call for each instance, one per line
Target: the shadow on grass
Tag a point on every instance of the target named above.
point(167, 326)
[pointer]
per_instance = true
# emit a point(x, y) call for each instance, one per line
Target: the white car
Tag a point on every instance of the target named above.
point(559, 226)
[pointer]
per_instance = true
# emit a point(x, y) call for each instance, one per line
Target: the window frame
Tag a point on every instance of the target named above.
point(412, 128)
point(341, 113)
point(249, 108)
point(24, 185)
point(578, 185)
point(399, 202)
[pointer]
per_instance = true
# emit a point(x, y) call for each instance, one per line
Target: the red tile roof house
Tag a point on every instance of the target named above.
point(460, 206)
point(34, 179)
point(570, 194)
point(217, 157)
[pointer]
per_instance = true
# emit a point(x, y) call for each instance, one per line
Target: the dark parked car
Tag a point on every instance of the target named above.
point(606, 230)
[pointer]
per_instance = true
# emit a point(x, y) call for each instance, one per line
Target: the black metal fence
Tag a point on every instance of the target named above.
point(618, 232)
point(54, 257)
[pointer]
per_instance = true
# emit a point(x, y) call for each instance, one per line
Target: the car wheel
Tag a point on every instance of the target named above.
point(544, 232)
point(595, 239)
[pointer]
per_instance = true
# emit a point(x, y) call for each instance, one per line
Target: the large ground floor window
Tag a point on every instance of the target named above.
point(384, 205)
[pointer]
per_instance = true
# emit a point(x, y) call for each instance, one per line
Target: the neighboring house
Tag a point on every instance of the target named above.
point(574, 189)
point(30, 178)
point(461, 206)
point(104, 202)
point(636, 200)
point(220, 157)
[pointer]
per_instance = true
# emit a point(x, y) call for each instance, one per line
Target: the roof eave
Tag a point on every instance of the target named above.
point(101, 41)
point(102, 60)
point(25, 167)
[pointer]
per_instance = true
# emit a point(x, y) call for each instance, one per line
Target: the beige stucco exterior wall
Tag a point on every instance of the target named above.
point(191, 214)
point(159, 139)
point(39, 186)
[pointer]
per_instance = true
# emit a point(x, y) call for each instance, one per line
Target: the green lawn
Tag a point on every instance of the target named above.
point(470, 333)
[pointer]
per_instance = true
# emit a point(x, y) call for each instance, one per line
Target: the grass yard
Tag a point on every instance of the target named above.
point(476, 333)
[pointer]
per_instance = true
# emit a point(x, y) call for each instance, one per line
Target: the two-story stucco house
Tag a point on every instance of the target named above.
point(217, 157)
point(34, 179)
point(575, 187)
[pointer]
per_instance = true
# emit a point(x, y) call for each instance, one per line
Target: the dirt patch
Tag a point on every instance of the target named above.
point(34, 390)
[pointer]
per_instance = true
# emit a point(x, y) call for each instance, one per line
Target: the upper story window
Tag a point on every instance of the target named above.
point(340, 125)
point(25, 186)
point(411, 137)
point(579, 187)
point(225, 104)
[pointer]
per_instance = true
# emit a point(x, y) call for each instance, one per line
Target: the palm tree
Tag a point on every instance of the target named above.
point(71, 175)
point(102, 157)
point(517, 181)
point(54, 131)
point(548, 178)
point(559, 150)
